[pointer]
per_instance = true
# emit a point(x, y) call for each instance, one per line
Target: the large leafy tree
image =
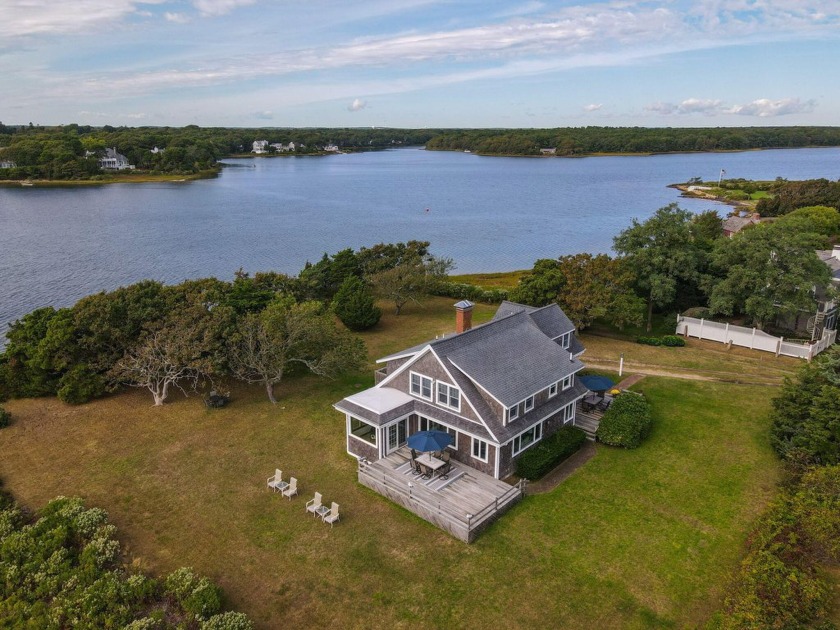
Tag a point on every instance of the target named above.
point(661, 252)
point(409, 280)
point(766, 271)
point(354, 305)
point(806, 421)
point(586, 287)
point(287, 334)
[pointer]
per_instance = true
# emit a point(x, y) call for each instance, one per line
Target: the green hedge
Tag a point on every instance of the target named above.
point(463, 291)
point(541, 458)
point(627, 422)
point(672, 341)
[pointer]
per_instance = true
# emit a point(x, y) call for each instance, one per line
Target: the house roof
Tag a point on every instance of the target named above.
point(735, 224)
point(827, 256)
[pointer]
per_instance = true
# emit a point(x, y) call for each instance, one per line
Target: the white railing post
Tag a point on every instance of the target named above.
point(779, 346)
point(700, 334)
point(726, 333)
point(752, 339)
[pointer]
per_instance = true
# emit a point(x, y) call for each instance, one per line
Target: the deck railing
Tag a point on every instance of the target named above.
point(428, 505)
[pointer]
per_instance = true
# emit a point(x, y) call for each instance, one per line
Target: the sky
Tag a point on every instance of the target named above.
point(420, 63)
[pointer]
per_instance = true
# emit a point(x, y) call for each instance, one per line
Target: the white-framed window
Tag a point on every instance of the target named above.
point(362, 430)
point(527, 438)
point(430, 425)
point(552, 390)
point(567, 339)
point(449, 396)
point(479, 449)
point(421, 385)
point(529, 403)
point(568, 381)
point(568, 413)
point(512, 413)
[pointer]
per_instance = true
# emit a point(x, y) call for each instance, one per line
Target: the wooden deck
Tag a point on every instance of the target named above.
point(463, 505)
point(588, 420)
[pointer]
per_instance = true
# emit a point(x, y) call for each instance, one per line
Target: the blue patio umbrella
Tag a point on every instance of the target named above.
point(597, 383)
point(426, 441)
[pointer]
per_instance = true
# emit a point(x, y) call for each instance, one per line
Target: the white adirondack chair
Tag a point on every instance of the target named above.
point(314, 504)
point(275, 482)
point(291, 489)
point(331, 516)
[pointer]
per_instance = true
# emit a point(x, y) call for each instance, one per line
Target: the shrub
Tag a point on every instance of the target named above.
point(673, 341)
point(649, 341)
point(464, 291)
point(353, 304)
point(627, 422)
point(228, 621)
point(5, 418)
point(698, 312)
point(80, 385)
point(196, 595)
point(539, 459)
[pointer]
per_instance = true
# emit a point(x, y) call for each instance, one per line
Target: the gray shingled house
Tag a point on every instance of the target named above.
point(498, 389)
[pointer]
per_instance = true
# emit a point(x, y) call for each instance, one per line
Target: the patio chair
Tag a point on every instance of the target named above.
point(331, 516)
point(291, 489)
point(426, 472)
point(415, 465)
point(275, 482)
point(314, 504)
point(443, 471)
point(445, 456)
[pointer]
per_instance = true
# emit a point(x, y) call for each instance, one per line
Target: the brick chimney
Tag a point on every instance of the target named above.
point(463, 316)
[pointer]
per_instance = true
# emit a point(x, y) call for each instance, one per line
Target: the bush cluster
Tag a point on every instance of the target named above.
point(464, 291)
point(62, 569)
point(779, 584)
point(671, 341)
point(627, 422)
point(541, 458)
point(5, 418)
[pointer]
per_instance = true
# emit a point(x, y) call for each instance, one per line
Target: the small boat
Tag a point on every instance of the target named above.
point(27, 184)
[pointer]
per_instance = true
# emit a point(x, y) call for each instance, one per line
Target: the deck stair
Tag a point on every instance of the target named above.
point(588, 421)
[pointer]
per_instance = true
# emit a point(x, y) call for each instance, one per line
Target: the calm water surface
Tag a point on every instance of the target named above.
point(488, 214)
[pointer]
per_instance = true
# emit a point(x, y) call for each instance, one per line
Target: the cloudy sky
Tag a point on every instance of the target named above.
point(420, 63)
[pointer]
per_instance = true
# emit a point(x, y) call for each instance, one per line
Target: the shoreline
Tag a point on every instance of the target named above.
point(115, 179)
point(629, 154)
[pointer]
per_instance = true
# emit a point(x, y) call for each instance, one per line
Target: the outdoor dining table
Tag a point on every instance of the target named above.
point(592, 400)
point(429, 461)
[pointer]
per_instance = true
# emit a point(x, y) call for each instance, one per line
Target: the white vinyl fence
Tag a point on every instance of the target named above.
point(752, 338)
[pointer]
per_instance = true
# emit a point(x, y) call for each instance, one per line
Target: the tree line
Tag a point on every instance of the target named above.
point(256, 329)
point(71, 152)
point(593, 140)
point(676, 260)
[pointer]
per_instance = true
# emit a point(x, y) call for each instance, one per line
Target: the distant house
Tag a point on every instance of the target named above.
point(824, 317)
point(259, 147)
point(498, 389)
point(112, 160)
point(283, 148)
point(7, 164)
point(549, 151)
point(331, 148)
point(156, 150)
point(734, 224)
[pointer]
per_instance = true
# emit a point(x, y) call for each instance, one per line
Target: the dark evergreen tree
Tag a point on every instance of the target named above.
point(353, 304)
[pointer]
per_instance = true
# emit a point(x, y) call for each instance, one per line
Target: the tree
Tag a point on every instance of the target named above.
point(353, 304)
point(820, 219)
point(806, 424)
point(660, 252)
point(766, 271)
point(288, 334)
point(165, 359)
point(409, 281)
point(586, 287)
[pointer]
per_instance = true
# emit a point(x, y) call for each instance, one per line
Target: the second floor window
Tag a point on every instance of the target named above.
point(552, 391)
point(449, 396)
point(568, 381)
point(421, 385)
point(513, 413)
point(529, 403)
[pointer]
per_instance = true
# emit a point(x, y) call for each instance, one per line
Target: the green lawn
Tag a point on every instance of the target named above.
point(633, 539)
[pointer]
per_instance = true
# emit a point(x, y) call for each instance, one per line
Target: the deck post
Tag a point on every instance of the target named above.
point(700, 333)
point(752, 339)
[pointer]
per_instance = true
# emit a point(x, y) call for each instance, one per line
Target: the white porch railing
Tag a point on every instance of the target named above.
point(752, 338)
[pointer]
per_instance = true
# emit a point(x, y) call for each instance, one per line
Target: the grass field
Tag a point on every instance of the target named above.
point(644, 538)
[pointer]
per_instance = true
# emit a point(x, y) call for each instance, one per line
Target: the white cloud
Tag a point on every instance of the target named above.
point(33, 17)
point(178, 18)
point(765, 108)
point(111, 116)
point(266, 115)
point(219, 7)
point(762, 107)
point(357, 105)
point(592, 107)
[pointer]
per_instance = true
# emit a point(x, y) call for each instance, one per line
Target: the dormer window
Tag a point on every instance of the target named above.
point(568, 381)
point(513, 413)
point(529, 403)
point(421, 386)
point(552, 390)
point(449, 396)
